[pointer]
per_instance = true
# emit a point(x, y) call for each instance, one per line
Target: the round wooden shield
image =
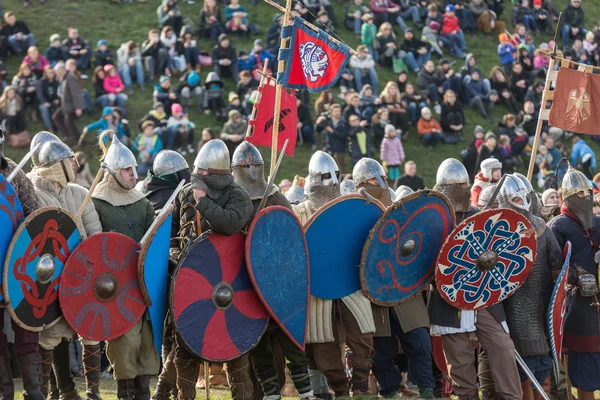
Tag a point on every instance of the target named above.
point(11, 216)
point(335, 235)
point(33, 266)
point(485, 259)
point(557, 310)
point(100, 293)
point(153, 274)
point(398, 259)
point(216, 311)
point(277, 258)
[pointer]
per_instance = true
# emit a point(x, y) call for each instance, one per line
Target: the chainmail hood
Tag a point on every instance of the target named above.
point(582, 208)
point(252, 179)
point(212, 184)
point(459, 195)
point(319, 195)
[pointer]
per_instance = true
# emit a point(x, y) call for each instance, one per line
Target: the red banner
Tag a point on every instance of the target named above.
point(576, 105)
point(263, 123)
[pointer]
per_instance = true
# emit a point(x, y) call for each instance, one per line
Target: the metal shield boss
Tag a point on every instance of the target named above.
point(485, 259)
point(11, 216)
point(32, 269)
point(335, 235)
point(214, 306)
point(277, 259)
point(398, 259)
point(153, 274)
point(557, 310)
point(99, 291)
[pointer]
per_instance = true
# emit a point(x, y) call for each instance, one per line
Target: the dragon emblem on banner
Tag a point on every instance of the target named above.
point(314, 61)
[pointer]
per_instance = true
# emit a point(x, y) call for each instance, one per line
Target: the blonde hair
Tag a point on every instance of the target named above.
point(382, 29)
point(387, 97)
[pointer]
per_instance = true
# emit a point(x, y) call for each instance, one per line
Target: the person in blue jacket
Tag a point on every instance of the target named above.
point(583, 156)
point(107, 121)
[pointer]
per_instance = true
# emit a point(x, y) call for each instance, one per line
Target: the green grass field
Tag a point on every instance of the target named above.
point(117, 23)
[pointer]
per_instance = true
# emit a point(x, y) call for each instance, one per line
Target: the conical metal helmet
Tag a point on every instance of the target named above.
point(118, 156)
point(41, 137)
point(451, 172)
point(295, 194)
point(52, 152)
point(168, 162)
point(213, 157)
point(347, 187)
point(366, 169)
point(512, 189)
point(246, 154)
point(402, 192)
point(322, 164)
point(575, 182)
point(525, 181)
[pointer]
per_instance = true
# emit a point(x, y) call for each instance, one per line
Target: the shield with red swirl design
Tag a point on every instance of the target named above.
point(398, 259)
point(557, 310)
point(11, 216)
point(485, 259)
point(216, 310)
point(33, 266)
point(100, 294)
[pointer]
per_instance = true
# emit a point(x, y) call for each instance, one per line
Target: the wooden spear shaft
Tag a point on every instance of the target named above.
point(280, 69)
point(257, 100)
point(540, 122)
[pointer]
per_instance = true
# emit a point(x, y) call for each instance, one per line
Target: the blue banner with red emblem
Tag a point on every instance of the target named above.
point(313, 61)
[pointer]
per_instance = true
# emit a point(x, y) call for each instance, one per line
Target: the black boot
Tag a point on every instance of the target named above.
point(142, 387)
point(62, 369)
point(46, 369)
point(91, 368)
point(31, 372)
point(7, 388)
point(125, 389)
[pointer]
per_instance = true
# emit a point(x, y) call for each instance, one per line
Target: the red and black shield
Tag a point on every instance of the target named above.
point(557, 310)
point(33, 266)
point(100, 293)
point(485, 259)
point(216, 310)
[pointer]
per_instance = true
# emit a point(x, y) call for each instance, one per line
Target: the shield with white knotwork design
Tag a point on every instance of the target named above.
point(33, 266)
point(100, 293)
point(485, 259)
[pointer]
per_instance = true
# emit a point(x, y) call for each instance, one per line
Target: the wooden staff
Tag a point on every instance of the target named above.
point(206, 380)
point(257, 100)
point(280, 69)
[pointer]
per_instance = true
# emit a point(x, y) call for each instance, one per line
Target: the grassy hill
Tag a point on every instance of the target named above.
point(118, 23)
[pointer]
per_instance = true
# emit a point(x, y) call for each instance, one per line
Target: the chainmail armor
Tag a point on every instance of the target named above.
point(254, 186)
point(535, 204)
point(582, 208)
point(458, 194)
point(275, 199)
point(527, 308)
point(318, 194)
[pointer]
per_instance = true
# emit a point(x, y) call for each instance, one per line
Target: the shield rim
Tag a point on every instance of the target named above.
point(384, 217)
point(17, 201)
point(205, 235)
point(461, 225)
point(550, 320)
point(117, 234)
point(333, 202)
point(18, 232)
point(144, 253)
point(272, 315)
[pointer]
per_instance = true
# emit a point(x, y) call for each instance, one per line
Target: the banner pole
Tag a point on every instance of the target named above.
point(257, 100)
point(280, 69)
point(540, 122)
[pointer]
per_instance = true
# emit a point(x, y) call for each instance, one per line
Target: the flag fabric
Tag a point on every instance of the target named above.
point(312, 61)
point(576, 103)
point(263, 122)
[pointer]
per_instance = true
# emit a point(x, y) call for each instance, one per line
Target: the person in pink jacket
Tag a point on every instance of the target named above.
point(36, 61)
point(113, 85)
point(392, 153)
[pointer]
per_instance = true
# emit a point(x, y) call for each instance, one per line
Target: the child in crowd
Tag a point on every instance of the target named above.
point(55, 52)
point(591, 48)
point(541, 17)
point(207, 136)
point(506, 52)
point(368, 31)
point(235, 104)
point(244, 62)
point(104, 55)
point(189, 86)
point(12, 110)
point(504, 145)
point(429, 129)
point(578, 52)
point(183, 130)
point(164, 93)
point(113, 85)
point(107, 121)
point(214, 95)
point(392, 153)
point(147, 145)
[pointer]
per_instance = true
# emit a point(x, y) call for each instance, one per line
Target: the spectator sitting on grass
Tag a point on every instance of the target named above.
point(55, 53)
point(236, 17)
point(103, 55)
point(107, 121)
point(224, 58)
point(147, 145)
point(130, 64)
point(164, 93)
point(429, 129)
point(36, 61)
point(77, 48)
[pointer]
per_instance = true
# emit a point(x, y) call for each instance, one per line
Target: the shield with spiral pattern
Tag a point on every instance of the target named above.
point(11, 216)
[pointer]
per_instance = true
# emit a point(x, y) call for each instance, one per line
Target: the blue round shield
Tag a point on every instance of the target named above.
point(11, 216)
point(33, 266)
point(398, 260)
point(335, 235)
point(277, 260)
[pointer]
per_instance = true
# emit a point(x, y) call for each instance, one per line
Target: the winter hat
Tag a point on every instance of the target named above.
point(157, 105)
point(176, 109)
point(489, 135)
point(450, 8)
point(193, 78)
point(233, 96)
point(547, 194)
point(242, 53)
point(425, 112)
point(434, 25)
point(589, 35)
point(537, 3)
point(54, 38)
point(107, 111)
point(101, 42)
point(544, 46)
point(164, 78)
point(107, 68)
point(478, 129)
point(503, 37)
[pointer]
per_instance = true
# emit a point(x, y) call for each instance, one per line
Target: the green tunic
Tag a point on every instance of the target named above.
point(132, 220)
